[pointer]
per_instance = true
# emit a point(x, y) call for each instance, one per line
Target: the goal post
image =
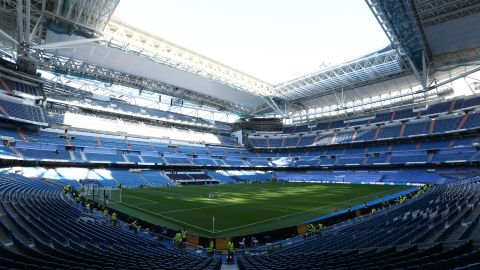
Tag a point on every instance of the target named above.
point(215, 195)
point(104, 195)
point(115, 195)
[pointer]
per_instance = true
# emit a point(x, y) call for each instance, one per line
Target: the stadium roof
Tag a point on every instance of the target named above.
point(271, 40)
point(432, 41)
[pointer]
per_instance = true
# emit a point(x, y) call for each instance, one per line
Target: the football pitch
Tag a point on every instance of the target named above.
point(242, 209)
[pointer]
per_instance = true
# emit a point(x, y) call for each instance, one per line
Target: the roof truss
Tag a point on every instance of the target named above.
point(59, 64)
point(128, 38)
point(351, 74)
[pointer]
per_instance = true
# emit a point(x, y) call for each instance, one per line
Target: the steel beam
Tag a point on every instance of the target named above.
point(57, 64)
point(433, 12)
point(362, 71)
point(125, 37)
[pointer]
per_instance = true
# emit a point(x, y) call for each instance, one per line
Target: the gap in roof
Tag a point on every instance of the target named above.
point(273, 40)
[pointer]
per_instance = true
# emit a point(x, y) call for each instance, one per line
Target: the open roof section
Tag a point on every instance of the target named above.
point(272, 40)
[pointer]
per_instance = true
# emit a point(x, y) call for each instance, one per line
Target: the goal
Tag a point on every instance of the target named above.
point(105, 195)
point(214, 195)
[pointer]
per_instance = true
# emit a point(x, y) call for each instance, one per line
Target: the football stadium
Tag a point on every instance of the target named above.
point(226, 134)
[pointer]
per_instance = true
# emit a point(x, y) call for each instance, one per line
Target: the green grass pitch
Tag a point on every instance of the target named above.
point(243, 208)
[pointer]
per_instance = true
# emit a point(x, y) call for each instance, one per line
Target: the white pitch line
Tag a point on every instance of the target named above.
point(177, 194)
point(196, 196)
point(212, 206)
point(176, 220)
point(198, 208)
point(237, 227)
point(280, 217)
point(139, 198)
point(147, 203)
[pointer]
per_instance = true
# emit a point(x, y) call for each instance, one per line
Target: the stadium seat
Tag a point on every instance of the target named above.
point(43, 231)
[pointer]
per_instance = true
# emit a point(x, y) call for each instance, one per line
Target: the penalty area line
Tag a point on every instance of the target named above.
point(169, 218)
point(198, 208)
point(140, 198)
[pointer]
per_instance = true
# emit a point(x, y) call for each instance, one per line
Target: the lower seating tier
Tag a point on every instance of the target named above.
point(39, 229)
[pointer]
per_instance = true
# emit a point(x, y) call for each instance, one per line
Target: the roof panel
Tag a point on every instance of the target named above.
point(132, 63)
point(455, 35)
point(361, 70)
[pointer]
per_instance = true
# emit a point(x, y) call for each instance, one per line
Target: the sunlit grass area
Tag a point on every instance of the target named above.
point(243, 208)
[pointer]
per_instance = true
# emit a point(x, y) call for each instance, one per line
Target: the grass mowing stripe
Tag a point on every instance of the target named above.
point(140, 198)
point(148, 203)
point(205, 207)
point(249, 207)
point(293, 214)
point(156, 214)
point(198, 208)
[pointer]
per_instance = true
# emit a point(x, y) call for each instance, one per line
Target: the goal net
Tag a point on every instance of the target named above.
point(214, 195)
point(105, 195)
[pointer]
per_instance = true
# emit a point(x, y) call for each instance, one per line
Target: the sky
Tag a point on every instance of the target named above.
point(273, 40)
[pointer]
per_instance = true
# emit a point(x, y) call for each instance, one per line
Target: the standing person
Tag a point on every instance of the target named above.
point(134, 226)
point(311, 228)
point(114, 218)
point(231, 249)
point(210, 248)
point(87, 207)
point(242, 243)
point(66, 189)
point(254, 241)
point(184, 237)
point(178, 239)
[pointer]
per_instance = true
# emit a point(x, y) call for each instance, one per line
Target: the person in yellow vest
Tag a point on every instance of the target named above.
point(210, 248)
point(134, 226)
point(178, 239)
point(374, 210)
point(105, 213)
point(320, 226)
point(114, 218)
point(184, 237)
point(65, 190)
point(231, 249)
point(311, 228)
point(87, 207)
